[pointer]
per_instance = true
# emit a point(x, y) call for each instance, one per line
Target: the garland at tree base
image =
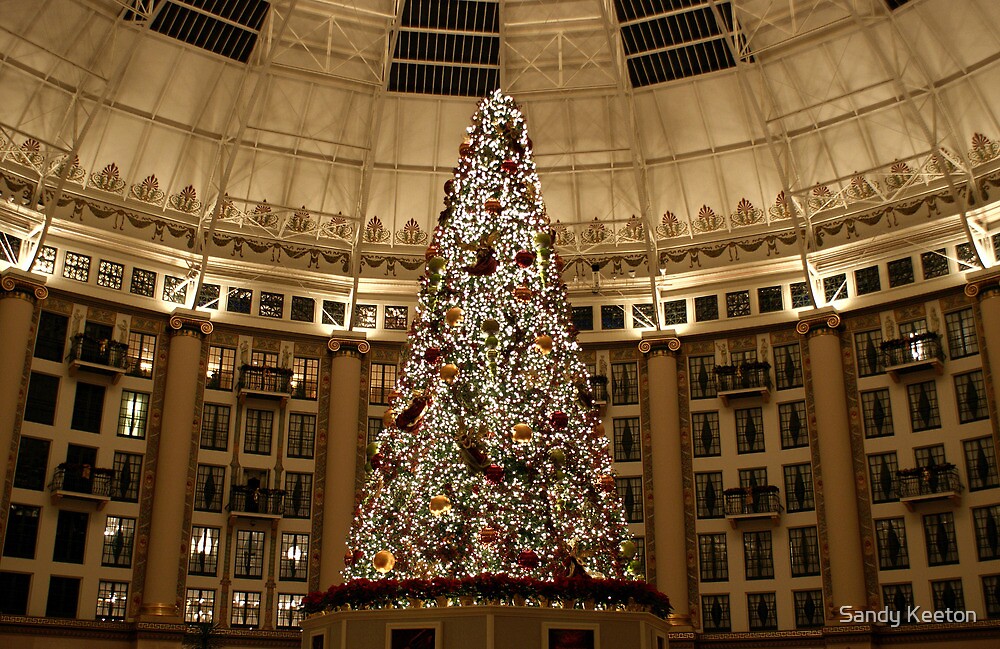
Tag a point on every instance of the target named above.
point(486, 589)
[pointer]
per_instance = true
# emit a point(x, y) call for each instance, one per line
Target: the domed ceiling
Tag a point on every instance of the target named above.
point(311, 138)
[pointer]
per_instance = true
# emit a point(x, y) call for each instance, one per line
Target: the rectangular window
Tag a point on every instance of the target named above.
point(867, 280)
point(40, 405)
point(239, 300)
point(263, 359)
point(199, 606)
point(630, 492)
point(303, 309)
point(753, 477)
point(624, 384)
point(333, 313)
point(374, 428)
point(612, 316)
point(246, 609)
point(890, 534)
point(758, 560)
point(792, 420)
point(221, 368)
point(643, 316)
point(868, 350)
point(46, 260)
point(705, 430)
point(112, 597)
point(882, 469)
point(257, 432)
point(877, 412)
point(803, 548)
point(929, 455)
point(22, 531)
point(934, 263)
point(141, 353)
point(294, 557)
point(71, 537)
point(788, 366)
point(675, 312)
point(383, 379)
point(808, 609)
point(128, 475)
point(708, 494)
point(970, 394)
point(750, 430)
point(301, 434)
point(900, 272)
point(980, 463)
point(706, 308)
point(249, 554)
point(801, 296)
point(215, 427)
point(737, 304)
point(948, 595)
point(204, 556)
point(208, 488)
point(119, 532)
point(305, 378)
point(715, 613)
point(799, 487)
point(395, 318)
point(924, 414)
point(272, 305)
point(76, 267)
point(63, 597)
point(898, 598)
point(298, 495)
point(50, 341)
point(762, 609)
point(14, 588)
point(208, 296)
point(88, 407)
point(986, 521)
point(627, 447)
point(32, 464)
point(700, 377)
point(175, 289)
point(365, 315)
point(713, 557)
point(962, 341)
point(640, 554)
point(143, 282)
point(132, 414)
point(939, 532)
point(991, 596)
point(583, 318)
point(289, 611)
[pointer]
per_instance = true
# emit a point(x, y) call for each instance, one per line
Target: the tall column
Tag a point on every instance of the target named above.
point(160, 600)
point(836, 459)
point(985, 285)
point(20, 293)
point(341, 455)
point(668, 472)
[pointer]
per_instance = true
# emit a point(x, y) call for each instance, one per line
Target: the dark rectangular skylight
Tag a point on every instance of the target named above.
point(449, 47)
point(665, 40)
point(225, 27)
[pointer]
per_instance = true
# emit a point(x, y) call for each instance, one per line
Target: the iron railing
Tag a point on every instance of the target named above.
point(99, 351)
point(82, 479)
point(251, 500)
point(752, 500)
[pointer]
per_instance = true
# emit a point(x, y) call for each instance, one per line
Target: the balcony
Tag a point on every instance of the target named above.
point(599, 389)
point(744, 380)
point(265, 382)
point(926, 483)
point(913, 354)
point(104, 357)
point(81, 482)
point(746, 503)
point(256, 502)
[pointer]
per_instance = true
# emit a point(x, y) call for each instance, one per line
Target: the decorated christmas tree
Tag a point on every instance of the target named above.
point(493, 459)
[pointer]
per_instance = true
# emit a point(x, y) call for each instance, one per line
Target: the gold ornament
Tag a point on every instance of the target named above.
point(439, 505)
point(488, 535)
point(454, 316)
point(448, 372)
point(384, 561)
point(543, 344)
point(522, 433)
point(523, 293)
point(490, 326)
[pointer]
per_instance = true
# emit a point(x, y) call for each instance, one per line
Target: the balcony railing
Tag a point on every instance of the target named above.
point(265, 381)
point(752, 502)
point(599, 388)
point(101, 356)
point(743, 380)
point(934, 482)
point(254, 501)
point(912, 354)
point(83, 482)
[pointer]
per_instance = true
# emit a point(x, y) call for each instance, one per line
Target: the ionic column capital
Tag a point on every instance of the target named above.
point(20, 284)
point(349, 343)
point(660, 343)
point(984, 283)
point(818, 322)
point(187, 322)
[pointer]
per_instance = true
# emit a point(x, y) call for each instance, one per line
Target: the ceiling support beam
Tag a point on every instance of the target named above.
point(368, 164)
point(627, 100)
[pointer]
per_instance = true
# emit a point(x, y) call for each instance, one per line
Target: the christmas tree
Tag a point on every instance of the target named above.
point(493, 458)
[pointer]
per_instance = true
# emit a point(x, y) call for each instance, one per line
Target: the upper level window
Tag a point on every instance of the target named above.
point(221, 368)
point(132, 414)
point(141, 352)
point(305, 378)
point(383, 378)
point(624, 383)
point(961, 326)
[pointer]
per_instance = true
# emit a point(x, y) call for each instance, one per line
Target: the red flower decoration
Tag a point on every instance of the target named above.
point(494, 473)
point(559, 420)
point(528, 560)
point(431, 354)
point(524, 258)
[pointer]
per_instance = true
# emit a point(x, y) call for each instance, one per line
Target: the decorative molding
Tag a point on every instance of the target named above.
point(659, 342)
point(349, 345)
point(814, 320)
point(186, 320)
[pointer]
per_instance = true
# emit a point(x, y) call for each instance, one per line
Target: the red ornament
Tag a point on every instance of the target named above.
point(464, 149)
point(350, 558)
point(528, 559)
point(449, 186)
point(431, 354)
point(559, 420)
point(432, 251)
point(492, 205)
point(509, 166)
point(376, 460)
point(410, 418)
point(524, 258)
point(607, 483)
point(488, 535)
point(494, 473)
